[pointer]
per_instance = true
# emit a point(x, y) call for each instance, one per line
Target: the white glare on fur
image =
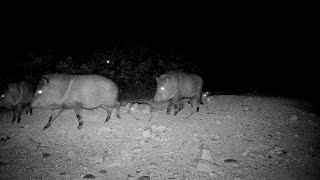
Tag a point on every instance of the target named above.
point(108, 61)
point(162, 88)
point(40, 91)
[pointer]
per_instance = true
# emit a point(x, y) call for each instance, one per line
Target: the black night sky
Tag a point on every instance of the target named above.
point(236, 53)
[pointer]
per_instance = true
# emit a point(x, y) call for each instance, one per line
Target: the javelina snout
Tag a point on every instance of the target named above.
point(62, 91)
point(176, 86)
point(205, 98)
point(17, 97)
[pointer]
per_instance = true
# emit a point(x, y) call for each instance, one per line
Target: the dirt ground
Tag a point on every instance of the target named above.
point(238, 137)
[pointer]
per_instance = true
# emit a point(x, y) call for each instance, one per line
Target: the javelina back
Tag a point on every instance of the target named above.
point(140, 109)
point(62, 91)
point(18, 97)
point(175, 86)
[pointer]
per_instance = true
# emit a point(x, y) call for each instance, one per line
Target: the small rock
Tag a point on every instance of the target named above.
point(3, 163)
point(103, 171)
point(71, 154)
point(85, 137)
point(214, 137)
point(205, 166)
point(230, 161)
point(293, 118)
point(142, 142)
point(218, 122)
point(214, 175)
point(277, 149)
point(206, 154)
point(143, 178)
point(146, 133)
point(159, 129)
point(154, 165)
point(310, 122)
point(25, 126)
point(246, 152)
point(97, 159)
point(89, 176)
point(45, 155)
point(136, 150)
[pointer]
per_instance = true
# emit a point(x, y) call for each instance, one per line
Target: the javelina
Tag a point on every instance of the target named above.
point(140, 109)
point(175, 86)
point(18, 97)
point(62, 91)
point(205, 96)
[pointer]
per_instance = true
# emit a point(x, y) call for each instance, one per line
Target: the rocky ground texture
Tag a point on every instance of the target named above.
point(237, 138)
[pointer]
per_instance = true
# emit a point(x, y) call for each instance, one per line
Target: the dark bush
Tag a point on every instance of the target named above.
point(133, 69)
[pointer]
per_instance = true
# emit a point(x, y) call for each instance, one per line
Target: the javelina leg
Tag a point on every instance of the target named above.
point(19, 117)
point(176, 109)
point(29, 109)
point(19, 110)
point(109, 110)
point(14, 115)
point(54, 114)
point(181, 105)
point(190, 101)
point(198, 99)
point(117, 108)
point(78, 112)
point(169, 107)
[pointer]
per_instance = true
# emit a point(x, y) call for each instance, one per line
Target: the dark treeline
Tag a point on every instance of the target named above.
point(133, 69)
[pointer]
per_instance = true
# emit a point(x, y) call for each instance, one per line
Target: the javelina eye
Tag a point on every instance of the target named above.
point(162, 88)
point(2, 95)
point(40, 92)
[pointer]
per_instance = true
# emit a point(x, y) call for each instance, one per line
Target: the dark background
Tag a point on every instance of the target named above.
point(269, 53)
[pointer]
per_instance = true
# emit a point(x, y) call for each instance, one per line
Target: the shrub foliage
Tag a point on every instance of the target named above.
point(133, 69)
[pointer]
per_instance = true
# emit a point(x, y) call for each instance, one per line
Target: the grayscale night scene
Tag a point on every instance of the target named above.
point(232, 98)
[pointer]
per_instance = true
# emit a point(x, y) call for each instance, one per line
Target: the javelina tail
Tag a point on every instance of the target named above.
point(117, 108)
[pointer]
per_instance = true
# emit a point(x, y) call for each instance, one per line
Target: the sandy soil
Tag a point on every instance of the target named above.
point(238, 137)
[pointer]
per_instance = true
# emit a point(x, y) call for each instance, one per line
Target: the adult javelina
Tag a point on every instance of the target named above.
point(176, 86)
point(18, 97)
point(62, 91)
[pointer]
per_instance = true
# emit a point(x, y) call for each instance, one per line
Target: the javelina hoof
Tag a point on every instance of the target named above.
point(80, 125)
point(46, 127)
point(197, 109)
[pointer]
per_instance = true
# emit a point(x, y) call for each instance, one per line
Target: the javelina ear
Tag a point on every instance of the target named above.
point(45, 80)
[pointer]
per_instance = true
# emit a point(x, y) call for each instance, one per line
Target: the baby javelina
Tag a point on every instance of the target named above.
point(140, 109)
